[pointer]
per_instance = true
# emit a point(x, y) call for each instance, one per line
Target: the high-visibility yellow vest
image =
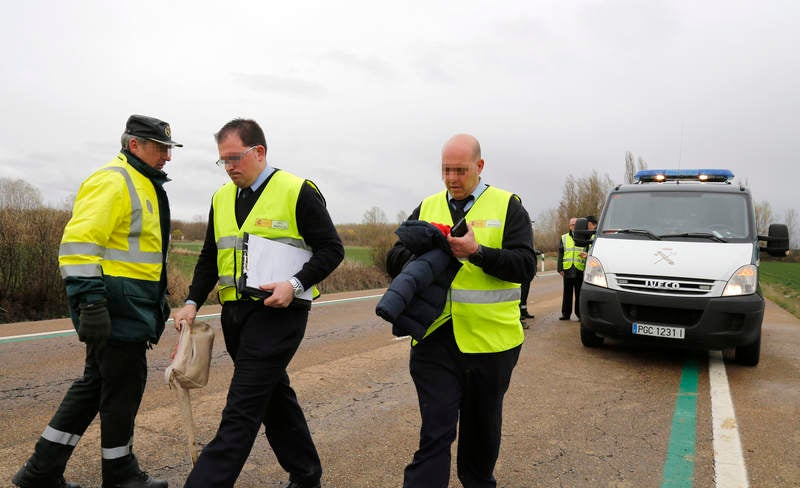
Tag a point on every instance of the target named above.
point(484, 309)
point(572, 254)
point(272, 217)
point(115, 235)
point(133, 247)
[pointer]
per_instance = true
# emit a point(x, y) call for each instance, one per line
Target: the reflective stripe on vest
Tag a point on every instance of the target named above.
point(572, 254)
point(272, 217)
point(484, 309)
point(130, 263)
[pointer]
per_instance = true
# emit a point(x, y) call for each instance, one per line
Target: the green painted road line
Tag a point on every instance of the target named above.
point(679, 466)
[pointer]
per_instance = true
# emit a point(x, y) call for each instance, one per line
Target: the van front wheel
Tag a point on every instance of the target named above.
point(748, 355)
point(589, 338)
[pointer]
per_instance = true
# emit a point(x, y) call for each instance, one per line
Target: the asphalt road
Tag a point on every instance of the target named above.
point(574, 416)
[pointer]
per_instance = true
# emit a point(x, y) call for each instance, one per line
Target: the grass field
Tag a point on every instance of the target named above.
point(184, 255)
point(359, 254)
point(780, 282)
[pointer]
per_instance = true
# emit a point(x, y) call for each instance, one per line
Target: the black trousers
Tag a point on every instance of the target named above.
point(262, 341)
point(572, 284)
point(461, 389)
point(112, 384)
point(524, 291)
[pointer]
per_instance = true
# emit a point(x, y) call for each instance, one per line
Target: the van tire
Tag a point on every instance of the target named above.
point(748, 355)
point(589, 338)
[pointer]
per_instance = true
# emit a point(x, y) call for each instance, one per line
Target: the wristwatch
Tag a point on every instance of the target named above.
point(476, 258)
point(296, 286)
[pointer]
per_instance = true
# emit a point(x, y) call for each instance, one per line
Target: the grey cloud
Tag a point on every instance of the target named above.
point(371, 64)
point(270, 83)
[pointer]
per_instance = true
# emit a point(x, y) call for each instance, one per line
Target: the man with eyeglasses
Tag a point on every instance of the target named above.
point(462, 366)
point(113, 261)
point(261, 334)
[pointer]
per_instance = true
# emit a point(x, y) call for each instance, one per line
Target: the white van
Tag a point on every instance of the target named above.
point(675, 259)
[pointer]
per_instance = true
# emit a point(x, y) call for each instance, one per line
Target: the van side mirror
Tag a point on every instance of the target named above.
point(777, 241)
point(581, 233)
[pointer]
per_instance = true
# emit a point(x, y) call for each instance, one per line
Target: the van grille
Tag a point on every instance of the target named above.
point(662, 315)
point(665, 285)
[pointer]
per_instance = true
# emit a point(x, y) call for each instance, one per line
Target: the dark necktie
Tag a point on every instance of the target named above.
point(458, 207)
point(243, 205)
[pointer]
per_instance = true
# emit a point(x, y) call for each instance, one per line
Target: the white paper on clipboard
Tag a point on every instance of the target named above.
point(270, 261)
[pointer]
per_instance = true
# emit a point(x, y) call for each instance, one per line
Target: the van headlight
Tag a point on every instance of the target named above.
point(594, 274)
point(743, 282)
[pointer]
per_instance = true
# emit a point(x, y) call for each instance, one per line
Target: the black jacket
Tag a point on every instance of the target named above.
point(416, 296)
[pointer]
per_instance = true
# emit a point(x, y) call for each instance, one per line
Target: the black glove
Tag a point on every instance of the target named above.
point(95, 323)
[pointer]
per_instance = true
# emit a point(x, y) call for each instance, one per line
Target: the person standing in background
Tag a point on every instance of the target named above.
point(525, 289)
point(571, 263)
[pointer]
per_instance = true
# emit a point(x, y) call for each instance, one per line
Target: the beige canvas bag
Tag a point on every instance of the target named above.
point(192, 360)
point(189, 369)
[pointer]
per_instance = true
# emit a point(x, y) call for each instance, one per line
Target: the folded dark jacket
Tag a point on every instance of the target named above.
point(416, 296)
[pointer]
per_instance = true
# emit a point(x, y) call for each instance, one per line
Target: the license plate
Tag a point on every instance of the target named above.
point(658, 331)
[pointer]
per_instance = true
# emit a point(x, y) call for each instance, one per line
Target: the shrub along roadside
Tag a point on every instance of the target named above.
point(30, 283)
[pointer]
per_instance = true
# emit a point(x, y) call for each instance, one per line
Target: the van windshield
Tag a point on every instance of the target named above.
point(678, 216)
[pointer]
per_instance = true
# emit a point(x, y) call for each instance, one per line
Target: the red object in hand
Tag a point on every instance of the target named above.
point(444, 228)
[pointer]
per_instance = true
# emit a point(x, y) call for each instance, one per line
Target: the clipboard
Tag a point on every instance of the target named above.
point(267, 261)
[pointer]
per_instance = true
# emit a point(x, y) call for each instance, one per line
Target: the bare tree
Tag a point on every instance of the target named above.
point(568, 206)
point(790, 219)
point(763, 216)
point(548, 230)
point(19, 194)
point(630, 169)
point(375, 215)
point(583, 196)
point(401, 216)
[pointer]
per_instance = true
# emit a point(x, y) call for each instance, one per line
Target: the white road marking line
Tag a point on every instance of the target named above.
point(729, 468)
point(201, 317)
point(54, 332)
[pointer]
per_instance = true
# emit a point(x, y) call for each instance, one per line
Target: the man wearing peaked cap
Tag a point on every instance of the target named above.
point(151, 129)
point(113, 248)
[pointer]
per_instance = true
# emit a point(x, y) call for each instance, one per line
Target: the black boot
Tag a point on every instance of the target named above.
point(141, 480)
point(26, 478)
point(294, 484)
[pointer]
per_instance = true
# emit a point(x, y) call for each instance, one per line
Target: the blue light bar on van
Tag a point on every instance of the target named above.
point(702, 175)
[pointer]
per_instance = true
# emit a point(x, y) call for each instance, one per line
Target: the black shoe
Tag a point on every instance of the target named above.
point(563, 317)
point(524, 324)
point(523, 314)
point(25, 479)
point(141, 480)
point(294, 484)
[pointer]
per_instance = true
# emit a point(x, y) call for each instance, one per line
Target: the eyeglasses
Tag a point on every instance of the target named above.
point(234, 159)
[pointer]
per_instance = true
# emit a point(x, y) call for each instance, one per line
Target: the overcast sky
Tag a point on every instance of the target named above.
point(359, 96)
